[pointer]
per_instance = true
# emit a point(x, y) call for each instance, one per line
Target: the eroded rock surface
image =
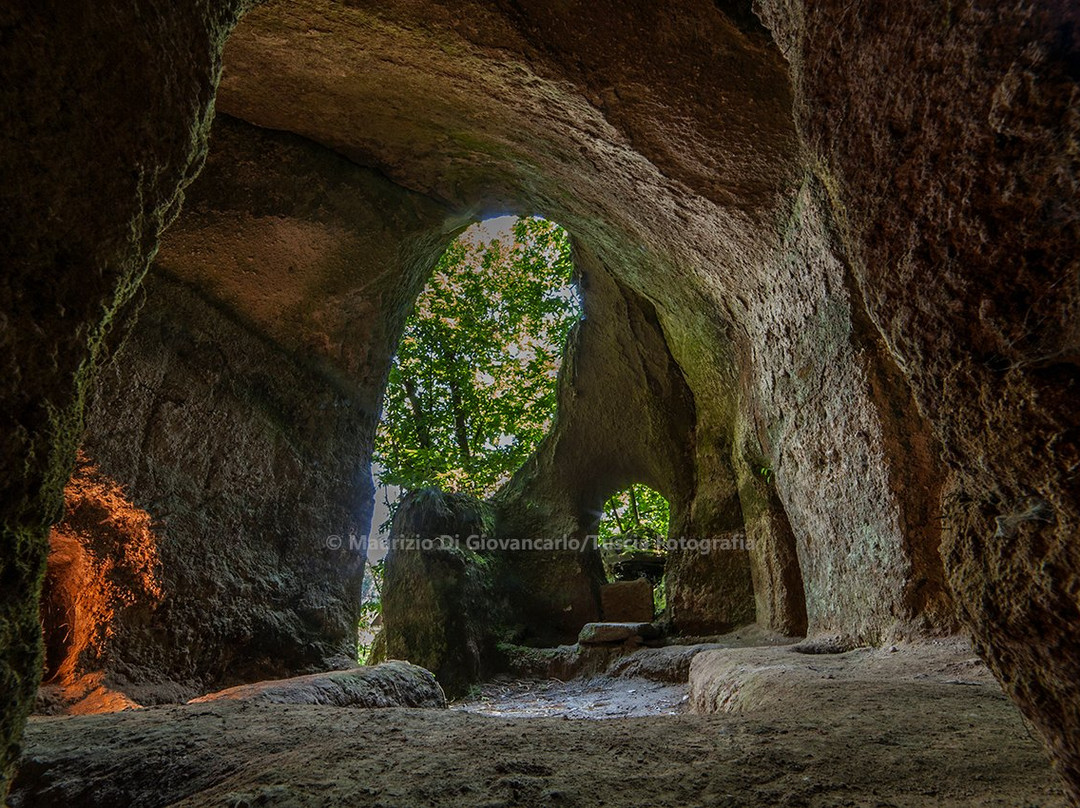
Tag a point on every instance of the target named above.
point(954, 184)
point(240, 410)
point(756, 679)
point(835, 252)
point(669, 662)
point(441, 606)
point(699, 205)
point(911, 742)
point(104, 114)
point(391, 684)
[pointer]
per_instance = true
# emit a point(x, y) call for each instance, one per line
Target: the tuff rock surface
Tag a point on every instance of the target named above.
point(240, 409)
point(440, 603)
point(105, 111)
point(391, 684)
point(830, 255)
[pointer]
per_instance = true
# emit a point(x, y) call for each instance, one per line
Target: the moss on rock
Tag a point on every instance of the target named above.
point(439, 603)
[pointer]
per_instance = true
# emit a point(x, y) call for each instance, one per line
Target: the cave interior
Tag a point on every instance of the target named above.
point(828, 260)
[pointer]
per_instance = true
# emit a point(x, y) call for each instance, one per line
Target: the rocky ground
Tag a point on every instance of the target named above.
point(918, 726)
point(597, 698)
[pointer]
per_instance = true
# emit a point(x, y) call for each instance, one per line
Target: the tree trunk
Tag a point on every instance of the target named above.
point(461, 424)
point(423, 435)
point(618, 519)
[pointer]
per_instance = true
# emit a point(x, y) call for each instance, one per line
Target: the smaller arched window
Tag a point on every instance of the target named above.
point(633, 534)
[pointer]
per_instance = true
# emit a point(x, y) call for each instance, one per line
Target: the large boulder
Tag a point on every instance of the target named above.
point(391, 684)
point(438, 602)
point(612, 633)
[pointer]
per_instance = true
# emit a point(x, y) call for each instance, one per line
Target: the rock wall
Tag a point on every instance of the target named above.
point(247, 461)
point(625, 415)
point(954, 184)
point(560, 131)
point(835, 431)
point(730, 291)
point(104, 111)
point(241, 409)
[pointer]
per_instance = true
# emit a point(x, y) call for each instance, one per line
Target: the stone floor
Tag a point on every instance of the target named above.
point(919, 726)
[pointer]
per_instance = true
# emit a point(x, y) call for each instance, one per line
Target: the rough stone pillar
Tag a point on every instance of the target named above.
point(954, 185)
point(779, 595)
point(104, 110)
point(708, 578)
point(439, 604)
point(625, 415)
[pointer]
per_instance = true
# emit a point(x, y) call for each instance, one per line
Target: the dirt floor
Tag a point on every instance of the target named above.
point(597, 698)
point(918, 726)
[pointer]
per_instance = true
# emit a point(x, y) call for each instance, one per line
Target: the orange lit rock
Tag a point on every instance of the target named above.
point(103, 563)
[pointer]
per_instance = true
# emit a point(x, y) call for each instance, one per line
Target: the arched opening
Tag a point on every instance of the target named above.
point(632, 536)
point(677, 133)
point(472, 389)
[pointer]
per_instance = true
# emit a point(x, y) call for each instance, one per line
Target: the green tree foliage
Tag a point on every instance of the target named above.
point(472, 390)
point(370, 610)
point(635, 515)
point(634, 527)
